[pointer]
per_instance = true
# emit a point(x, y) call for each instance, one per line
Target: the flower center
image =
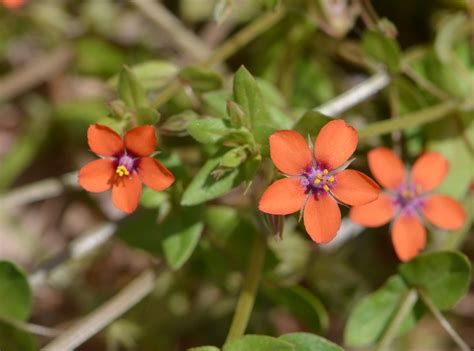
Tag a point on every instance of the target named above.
point(408, 198)
point(318, 180)
point(125, 166)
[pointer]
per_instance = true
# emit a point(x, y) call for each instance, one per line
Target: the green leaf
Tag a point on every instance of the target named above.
point(201, 79)
point(247, 94)
point(237, 117)
point(208, 131)
point(310, 123)
point(258, 343)
point(234, 157)
point(152, 199)
point(147, 115)
point(382, 49)
point(447, 36)
point(371, 315)
point(205, 187)
point(130, 90)
point(152, 75)
point(215, 102)
point(15, 294)
point(178, 124)
point(204, 348)
point(12, 339)
point(444, 276)
point(310, 342)
point(409, 120)
point(302, 304)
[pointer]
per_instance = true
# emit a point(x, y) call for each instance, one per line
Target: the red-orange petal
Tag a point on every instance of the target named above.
point(96, 176)
point(13, 4)
point(408, 236)
point(354, 188)
point(141, 141)
point(126, 193)
point(444, 212)
point(322, 218)
point(386, 167)
point(429, 170)
point(154, 174)
point(283, 197)
point(375, 213)
point(103, 140)
point(335, 143)
point(289, 152)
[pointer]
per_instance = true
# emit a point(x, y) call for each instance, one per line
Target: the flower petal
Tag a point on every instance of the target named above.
point(103, 140)
point(96, 176)
point(289, 152)
point(386, 167)
point(126, 193)
point(335, 143)
point(141, 141)
point(354, 188)
point(322, 218)
point(429, 170)
point(408, 236)
point(154, 174)
point(444, 212)
point(375, 213)
point(283, 197)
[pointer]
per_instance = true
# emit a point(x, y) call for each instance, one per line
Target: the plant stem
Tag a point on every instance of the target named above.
point(249, 289)
point(443, 321)
point(409, 120)
point(406, 305)
point(227, 49)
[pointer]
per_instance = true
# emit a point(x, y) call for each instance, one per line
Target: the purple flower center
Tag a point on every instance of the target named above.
point(125, 165)
point(408, 198)
point(317, 180)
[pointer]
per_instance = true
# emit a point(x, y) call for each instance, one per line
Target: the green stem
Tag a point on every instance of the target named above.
point(443, 321)
point(249, 289)
point(226, 50)
point(409, 120)
point(406, 305)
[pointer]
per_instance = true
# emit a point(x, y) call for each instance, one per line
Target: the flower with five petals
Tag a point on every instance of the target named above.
point(407, 199)
point(126, 163)
point(317, 180)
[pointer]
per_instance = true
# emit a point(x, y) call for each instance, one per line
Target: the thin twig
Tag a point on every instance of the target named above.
point(355, 95)
point(443, 321)
point(34, 72)
point(31, 328)
point(249, 289)
point(106, 314)
point(406, 305)
point(80, 247)
point(190, 43)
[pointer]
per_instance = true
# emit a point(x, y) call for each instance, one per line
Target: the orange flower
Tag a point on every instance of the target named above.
point(408, 198)
point(13, 4)
point(126, 163)
point(315, 181)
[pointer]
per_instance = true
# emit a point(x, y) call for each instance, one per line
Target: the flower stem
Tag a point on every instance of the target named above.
point(249, 289)
point(406, 305)
point(443, 321)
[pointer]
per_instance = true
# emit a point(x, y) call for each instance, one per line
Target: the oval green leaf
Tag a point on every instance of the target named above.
point(310, 342)
point(444, 276)
point(15, 293)
point(258, 343)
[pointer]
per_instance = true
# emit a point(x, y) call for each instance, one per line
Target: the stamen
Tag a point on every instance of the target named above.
point(122, 171)
point(319, 175)
point(325, 172)
point(317, 181)
point(326, 187)
point(331, 179)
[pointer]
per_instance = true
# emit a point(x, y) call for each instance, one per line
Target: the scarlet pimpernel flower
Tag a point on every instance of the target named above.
point(12, 4)
point(316, 180)
point(126, 163)
point(407, 199)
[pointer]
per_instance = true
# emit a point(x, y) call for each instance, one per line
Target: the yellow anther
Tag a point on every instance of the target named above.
point(317, 181)
point(319, 175)
point(331, 179)
point(122, 170)
point(325, 187)
point(325, 172)
point(407, 194)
